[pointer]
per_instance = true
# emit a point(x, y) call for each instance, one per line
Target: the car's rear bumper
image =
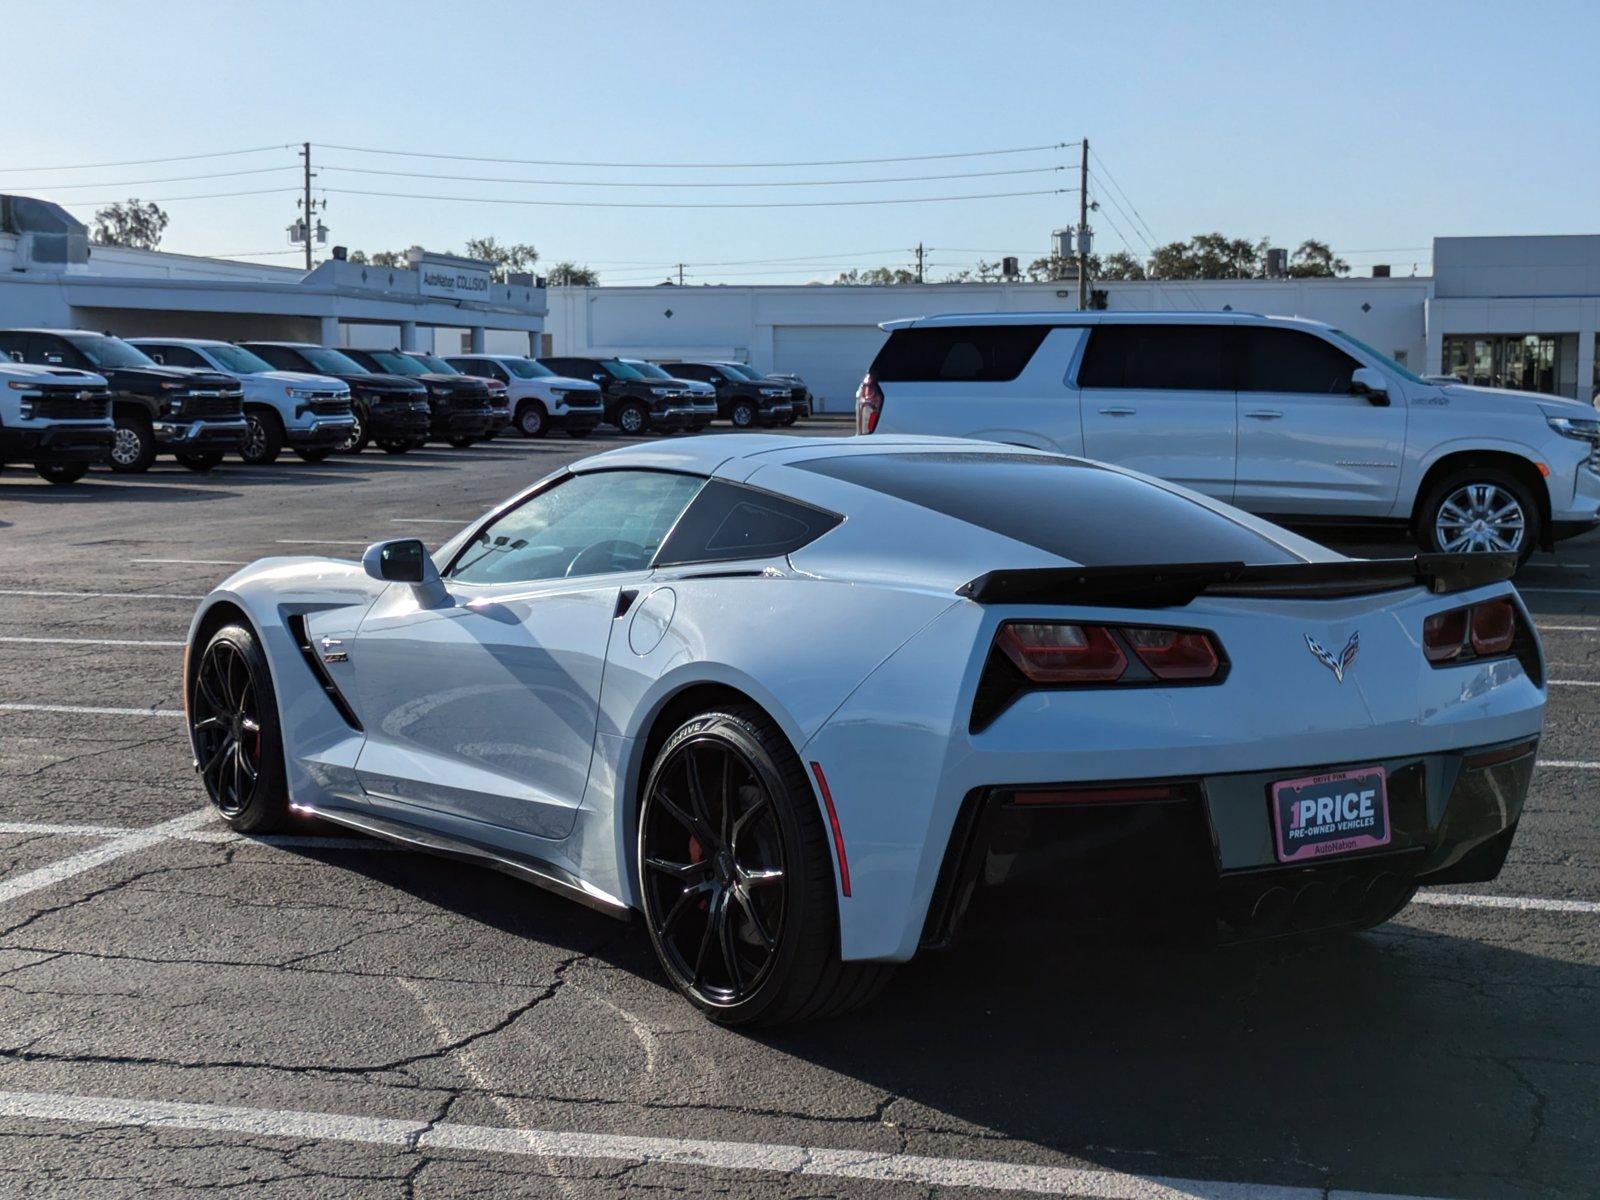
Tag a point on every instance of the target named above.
point(57, 444)
point(1202, 858)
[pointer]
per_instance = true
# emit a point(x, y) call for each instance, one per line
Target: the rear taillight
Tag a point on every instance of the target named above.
point(1487, 629)
point(869, 405)
point(1049, 652)
point(1174, 653)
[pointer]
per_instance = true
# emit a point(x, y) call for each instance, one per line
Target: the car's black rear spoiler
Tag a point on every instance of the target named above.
point(1166, 585)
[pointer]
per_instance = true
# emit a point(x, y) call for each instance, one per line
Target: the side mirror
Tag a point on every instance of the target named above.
point(1364, 381)
point(158, 358)
point(402, 561)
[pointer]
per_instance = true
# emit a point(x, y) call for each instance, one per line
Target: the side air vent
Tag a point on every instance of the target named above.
point(302, 639)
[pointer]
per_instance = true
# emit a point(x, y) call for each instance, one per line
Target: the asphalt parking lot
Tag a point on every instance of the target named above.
point(185, 1011)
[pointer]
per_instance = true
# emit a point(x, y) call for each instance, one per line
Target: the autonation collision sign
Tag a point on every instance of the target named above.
point(453, 278)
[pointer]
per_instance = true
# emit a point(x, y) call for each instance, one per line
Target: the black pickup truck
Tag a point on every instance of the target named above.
point(743, 397)
point(634, 403)
point(196, 416)
point(462, 410)
point(391, 410)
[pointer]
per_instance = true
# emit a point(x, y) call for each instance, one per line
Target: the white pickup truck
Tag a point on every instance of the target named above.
point(540, 399)
point(308, 413)
point(57, 418)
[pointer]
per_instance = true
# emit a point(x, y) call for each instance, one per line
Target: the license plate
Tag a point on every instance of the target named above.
point(1325, 815)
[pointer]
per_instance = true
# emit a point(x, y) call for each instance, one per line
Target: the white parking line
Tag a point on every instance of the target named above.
point(87, 860)
point(1519, 903)
point(288, 841)
point(1573, 682)
point(98, 595)
point(1574, 764)
point(818, 1161)
point(93, 710)
point(318, 542)
point(430, 521)
point(194, 562)
point(1568, 628)
point(57, 641)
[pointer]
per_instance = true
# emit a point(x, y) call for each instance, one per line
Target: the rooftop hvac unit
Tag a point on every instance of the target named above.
point(1277, 262)
point(1380, 270)
point(1063, 243)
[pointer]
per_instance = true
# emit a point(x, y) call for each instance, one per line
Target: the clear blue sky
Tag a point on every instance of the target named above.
point(1371, 126)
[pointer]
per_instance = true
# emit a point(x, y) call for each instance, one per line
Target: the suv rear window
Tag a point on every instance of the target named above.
point(957, 353)
point(1189, 358)
point(1085, 513)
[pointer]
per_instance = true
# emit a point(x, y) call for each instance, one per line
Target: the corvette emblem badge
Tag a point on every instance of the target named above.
point(1346, 656)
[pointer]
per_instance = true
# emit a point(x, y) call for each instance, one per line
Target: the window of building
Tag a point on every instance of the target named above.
point(1524, 362)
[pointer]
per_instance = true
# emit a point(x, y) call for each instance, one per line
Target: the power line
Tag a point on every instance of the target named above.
point(144, 162)
point(176, 199)
point(698, 204)
point(117, 183)
point(823, 162)
point(679, 183)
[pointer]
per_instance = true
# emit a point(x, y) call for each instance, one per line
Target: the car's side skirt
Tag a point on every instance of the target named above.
point(544, 874)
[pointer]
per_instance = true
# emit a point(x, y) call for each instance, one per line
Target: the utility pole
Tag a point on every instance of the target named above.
point(1083, 227)
point(680, 274)
point(305, 202)
point(919, 262)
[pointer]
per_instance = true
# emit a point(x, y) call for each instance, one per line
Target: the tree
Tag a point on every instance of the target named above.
point(1121, 265)
point(566, 274)
point(130, 224)
point(877, 276)
point(514, 258)
point(1314, 259)
point(381, 258)
point(1053, 267)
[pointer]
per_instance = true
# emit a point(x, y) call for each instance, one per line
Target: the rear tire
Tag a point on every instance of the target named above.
point(133, 445)
point(736, 877)
point(1477, 510)
point(234, 731)
point(61, 472)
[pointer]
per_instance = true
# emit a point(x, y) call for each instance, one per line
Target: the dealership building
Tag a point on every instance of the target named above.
point(51, 276)
point(1520, 312)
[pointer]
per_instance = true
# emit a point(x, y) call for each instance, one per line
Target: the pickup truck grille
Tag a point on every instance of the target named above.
point(73, 406)
point(332, 406)
point(212, 404)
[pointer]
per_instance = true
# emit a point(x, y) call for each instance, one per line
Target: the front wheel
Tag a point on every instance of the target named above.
point(61, 472)
point(263, 439)
point(238, 745)
point(742, 414)
point(359, 436)
point(532, 420)
point(198, 461)
point(133, 445)
point(736, 877)
point(1479, 510)
point(632, 418)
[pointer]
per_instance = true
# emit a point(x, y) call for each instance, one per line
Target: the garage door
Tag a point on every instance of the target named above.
point(830, 358)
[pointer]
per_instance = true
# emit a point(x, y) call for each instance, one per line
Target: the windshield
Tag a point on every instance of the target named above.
point(1388, 362)
point(526, 368)
point(111, 352)
point(237, 359)
point(435, 364)
point(744, 372)
point(331, 361)
point(648, 369)
point(395, 363)
point(618, 369)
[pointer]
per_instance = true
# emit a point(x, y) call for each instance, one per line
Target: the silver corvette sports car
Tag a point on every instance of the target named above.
point(810, 705)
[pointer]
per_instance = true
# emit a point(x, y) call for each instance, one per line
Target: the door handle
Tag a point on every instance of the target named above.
point(1118, 412)
point(1265, 414)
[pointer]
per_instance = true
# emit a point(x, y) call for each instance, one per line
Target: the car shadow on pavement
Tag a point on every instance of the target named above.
point(1403, 1060)
point(98, 489)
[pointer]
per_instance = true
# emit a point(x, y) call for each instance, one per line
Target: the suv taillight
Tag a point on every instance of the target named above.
point(869, 405)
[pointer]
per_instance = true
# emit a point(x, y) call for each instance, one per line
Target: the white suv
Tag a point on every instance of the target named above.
point(1287, 418)
point(540, 399)
point(310, 414)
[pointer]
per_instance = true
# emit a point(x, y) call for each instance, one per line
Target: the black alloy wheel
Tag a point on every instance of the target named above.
point(263, 439)
point(233, 726)
point(61, 472)
point(736, 877)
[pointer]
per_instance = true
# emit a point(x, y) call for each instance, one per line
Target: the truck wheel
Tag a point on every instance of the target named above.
point(1479, 510)
point(62, 472)
point(461, 443)
point(133, 446)
point(359, 437)
point(632, 418)
point(742, 414)
point(312, 456)
point(263, 439)
point(198, 461)
point(394, 447)
point(532, 420)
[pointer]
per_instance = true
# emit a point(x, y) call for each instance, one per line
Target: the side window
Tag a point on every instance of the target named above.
point(52, 352)
point(728, 522)
point(490, 368)
point(590, 524)
point(1190, 358)
point(1289, 360)
point(280, 357)
point(955, 354)
point(180, 356)
point(13, 346)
